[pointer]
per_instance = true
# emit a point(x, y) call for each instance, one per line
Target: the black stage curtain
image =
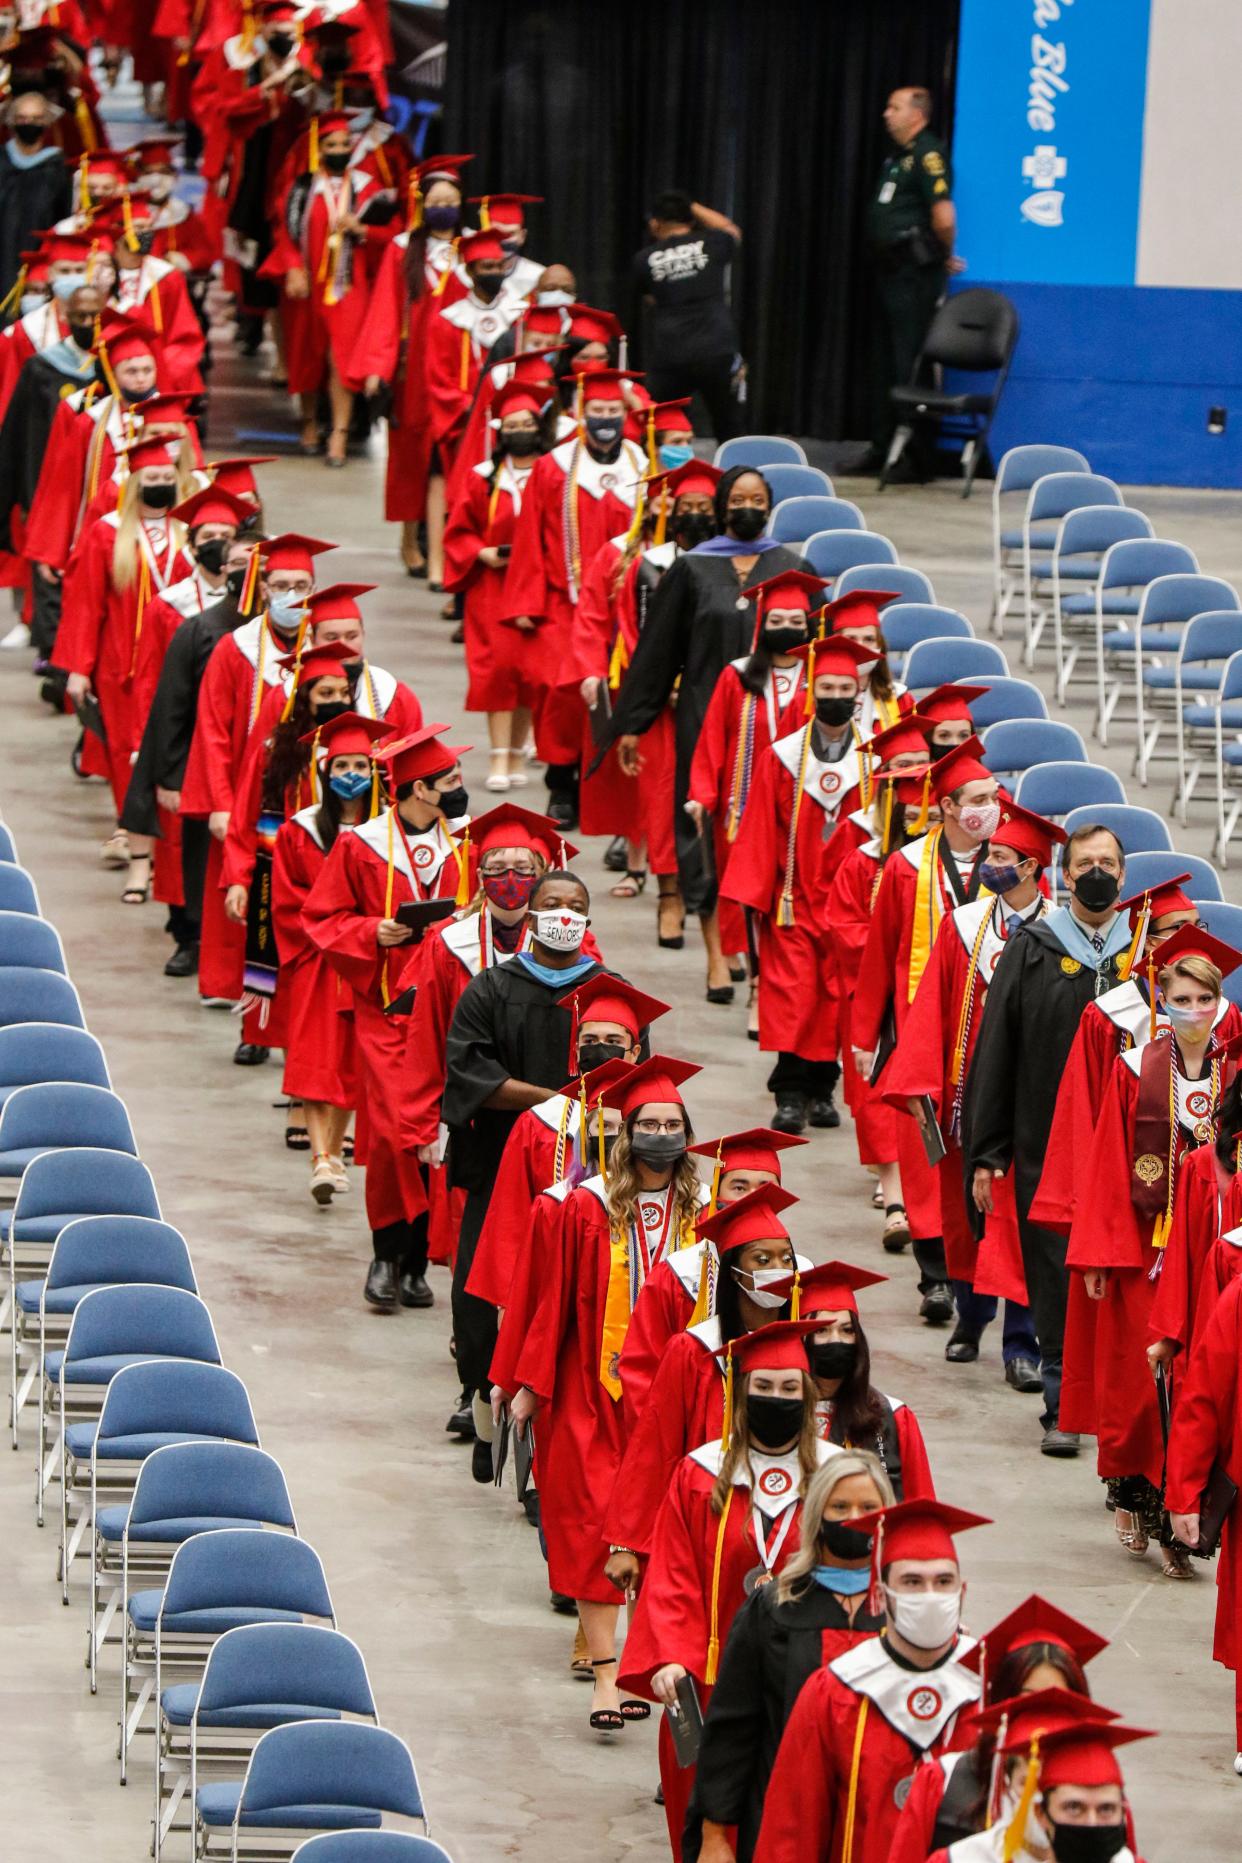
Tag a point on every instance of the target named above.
point(766, 109)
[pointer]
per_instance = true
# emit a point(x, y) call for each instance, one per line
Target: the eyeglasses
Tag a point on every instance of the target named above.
point(650, 1126)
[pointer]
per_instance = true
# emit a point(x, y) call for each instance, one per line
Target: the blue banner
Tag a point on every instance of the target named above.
point(1048, 143)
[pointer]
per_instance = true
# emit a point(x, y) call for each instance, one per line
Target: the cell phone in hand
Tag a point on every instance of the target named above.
point(504, 551)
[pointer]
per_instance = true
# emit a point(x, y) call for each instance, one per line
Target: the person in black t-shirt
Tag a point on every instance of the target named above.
point(691, 337)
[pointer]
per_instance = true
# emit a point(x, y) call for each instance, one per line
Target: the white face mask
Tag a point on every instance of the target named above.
point(760, 1281)
point(557, 299)
point(561, 930)
point(980, 820)
point(926, 1619)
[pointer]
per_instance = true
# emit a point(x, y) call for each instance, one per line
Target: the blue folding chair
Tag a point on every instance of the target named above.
point(182, 1490)
point(932, 663)
point(1004, 699)
point(1171, 606)
point(790, 481)
point(829, 552)
point(38, 996)
point(8, 846)
point(895, 579)
point(1140, 831)
point(309, 1776)
point(1062, 788)
point(94, 1251)
point(256, 1677)
point(1017, 471)
point(370, 1847)
point(33, 1052)
point(796, 519)
point(1223, 717)
point(28, 943)
point(1207, 646)
point(55, 1114)
point(1084, 538)
point(908, 622)
point(760, 450)
point(1224, 921)
point(1050, 499)
point(17, 891)
point(1016, 744)
point(1144, 870)
point(1120, 593)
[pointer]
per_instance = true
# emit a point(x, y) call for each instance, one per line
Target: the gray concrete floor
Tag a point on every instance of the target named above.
point(441, 1581)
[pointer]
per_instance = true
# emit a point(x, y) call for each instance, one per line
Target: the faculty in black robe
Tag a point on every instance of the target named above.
point(696, 624)
point(35, 188)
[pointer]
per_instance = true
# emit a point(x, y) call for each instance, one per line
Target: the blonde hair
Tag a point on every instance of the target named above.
point(796, 1575)
point(624, 1189)
point(125, 550)
point(1195, 969)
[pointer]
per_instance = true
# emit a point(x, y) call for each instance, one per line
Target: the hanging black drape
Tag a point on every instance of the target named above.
point(766, 109)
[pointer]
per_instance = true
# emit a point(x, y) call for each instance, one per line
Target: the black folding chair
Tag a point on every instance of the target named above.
point(974, 331)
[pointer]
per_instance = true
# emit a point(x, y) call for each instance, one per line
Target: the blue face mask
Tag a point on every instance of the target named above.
point(65, 287)
point(350, 784)
point(998, 879)
point(286, 610)
point(31, 301)
point(674, 454)
point(840, 1578)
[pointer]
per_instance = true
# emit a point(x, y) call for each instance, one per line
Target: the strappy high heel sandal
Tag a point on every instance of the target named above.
point(670, 915)
point(334, 459)
point(138, 895)
point(1131, 1532)
point(605, 1720)
point(634, 882)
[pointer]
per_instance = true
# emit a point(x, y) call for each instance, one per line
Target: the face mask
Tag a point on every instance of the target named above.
point(211, 554)
point(604, 430)
point(28, 134)
point(834, 1358)
point(444, 220)
point(235, 582)
point(280, 45)
point(694, 528)
point(158, 188)
point(844, 1541)
point(336, 161)
point(760, 1281)
point(674, 454)
point(562, 929)
point(660, 1150)
point(65, 286)
point(83, 334)
point(32, 301)
point(833, 711)
point(926, 1619)
point(999, 879)
point(557, 300)
point(509, 890)
point(1193, 1022)
point(350, 784)
point(512, 244)
point(159, 497)
point(1087, 1843)
point(783, 639)
point(747, 522)
point(285, 611)
point(521, 445)
point(487, 286)
point(329, 708)
point(834, 1578)
point(1097, 889)
point(334, 64)
point(453, 802)
point(134, 397)
point(773, 1421)
point(596, 1053)
point(980, 820)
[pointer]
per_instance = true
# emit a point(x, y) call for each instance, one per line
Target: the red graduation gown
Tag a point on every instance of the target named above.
point(503, 664)
point(1208, 1202)
point(851, 893)
point(317, 1006)
point(684, 1407)
point(82, 438)
point(541, 1136)
point(910, 1719)
point(157, 291)
point(457, 337)
point(662, 1311)
point(326, 324)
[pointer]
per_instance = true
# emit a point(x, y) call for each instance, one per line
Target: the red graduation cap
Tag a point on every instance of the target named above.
point(517, 398)
point(756, 1217)
point(921, 1529)
point(791, 589)
point(331, 121)
point(667, 417)
point(347, 735)
point(153, 152)
point(903, 739)
point(591, 1085)
point(1037, 1713)
point(755, 1149)
point(829, 1288)
point(959, 766)
point(105, 162)
point(1085, 1754)
point(860, 608)
point(166, 410)
point(505, 208)
point(544, 320)
point(533, 368)
point(318, 662)
point(1030, 835)
point(440, 168)
point(696, 476)
point(910, 788)
point(604, 998)
point(657, 1079)
point(588, 325)
point(507, 825)
point(1195, 941)
point(778, 1347)
point(834, 654)
point(604, 384)
point(948, 704)
point(1033, 1621)
point(338, 602)
point(123, 338)
point(477, 246)
point(293, 553)
point(237, 475)
point(145, 451)
point(421, 755)
point(1158, 901)
point(211, 506)
point(73, 248)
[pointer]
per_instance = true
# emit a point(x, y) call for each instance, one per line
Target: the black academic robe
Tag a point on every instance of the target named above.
point(696, 624)
point(772, 1649)
point(165, 745)
point(36, 396)
point(30, 200)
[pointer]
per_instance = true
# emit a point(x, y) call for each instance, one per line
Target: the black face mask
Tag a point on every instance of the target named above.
point(30, 135)
point(1087, 1843)
point(235, 582)
point(279, 44)
point(834, 1358)
point(844, 1541)
point(595, 1053)
point(1097, 889)
point(441, 219)
point(83, 334)
point(773, 1421)
point(782, 639)
point(159, 497)
point(331, 708)
point(604, 431)
point(694, 528)
point(211, 553)
point(658, 1149)
point(747, 523)
point(131, 397)
point(521, 445)
point(453, 802)
point(487, 286)
point(334, 64)
point(336, 161)
point(834, 711)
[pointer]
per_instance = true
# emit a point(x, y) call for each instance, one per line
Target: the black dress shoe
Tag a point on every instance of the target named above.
point(963, 1347)
point(481, 1462)
point(415, 1291)
point(249, 1054)
point(936, 1306)
point(790, 1114)
point(1023, 1374)
point(563, 1606)
point(183, 962)
point(616, 858)
point(823, 1113)
point(561, 810)
point(461, 1423)
point(1059, 1443)
point(381, 1286)
point(530, 1506)
point(721, 993)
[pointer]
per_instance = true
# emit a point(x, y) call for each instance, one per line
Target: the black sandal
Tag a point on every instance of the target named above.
point(608, 1720)
point(632, 885)
point(138, 895)
point(635, 1710)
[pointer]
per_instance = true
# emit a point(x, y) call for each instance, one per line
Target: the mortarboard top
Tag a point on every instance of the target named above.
point(920, 1529)
point(790, 589)
point(911, 788)
point(507, 825)
point(441, 168)
point(318, 662)
point(338, 602)
point(603, 384)
point(507, 208)
point(1161, 899)
point(69, 247)
point(834, 655)
point(124, 338)
point(588, 325)
point(153, 152)
point(658, 1079)
point(517, 398)
point(166, 410)
point(237, 475)
point(544, 320)
point(949, 704)
point(778, 1347)
point(1028, 834)
point(348, 735)
point(604, 998)
point(332, 121)
point(1034, 1621)
point(860, 608)
point(106, 162)
point(532, 367)
point(420, 755)
point(756, 1217)
point(905, 738)
point(212, 505)
point(147, 452)
point(755, 1149)
point(478, 246)
point(1196, 941)
point(957, 767)
point(1082, 1754)
point(293, 553)
point(697, 475)
point(668, 417)
point(831, 1287)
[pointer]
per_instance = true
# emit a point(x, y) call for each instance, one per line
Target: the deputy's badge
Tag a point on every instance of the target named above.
point(933, 162)
point(1070, 966)
point(1149, 1169)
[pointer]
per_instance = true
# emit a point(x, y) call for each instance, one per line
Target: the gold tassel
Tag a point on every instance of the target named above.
point(1138, 943)
point(127, 221)
point(1151, 993)
point(661, 528)
point(414, 212)
point(14, 296)
point(924, 814)
point(312, 146)
point(584, 1133)
point(851, 1802)
point(461, 897)
point(157, 311)
point(86, 130)
point(795, 1297)
point(314, 768)
point(485, 217)
point(713, 1202)
point(726, 1429)
point(375, 787)
point(653, 460)
point(251, 583)
point(1015, 1834)
point(618, 660)
point(599, 1136)
point(702, 1309)
point(713, 1645)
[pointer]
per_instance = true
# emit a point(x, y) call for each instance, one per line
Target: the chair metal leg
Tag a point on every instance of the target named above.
point(896, 447)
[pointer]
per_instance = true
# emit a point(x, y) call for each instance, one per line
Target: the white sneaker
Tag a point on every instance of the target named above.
point(323, 1179)
point(17, 637)
point(1237, 1764)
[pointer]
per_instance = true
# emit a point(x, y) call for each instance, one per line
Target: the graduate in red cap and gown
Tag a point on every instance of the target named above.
point(65, 258)
point(926, 878)
point(866, 1723)
point(156, 290)
point(179, 235)
point(728, 1521)
point(523, 353)
point(504, 215)
point(1204, 1251)
point(458, 337)
point(1162, 1100)
point(931, 1063)
point(594, 1246)
point(776, 868)
point(317, 1005)
point(883, 699)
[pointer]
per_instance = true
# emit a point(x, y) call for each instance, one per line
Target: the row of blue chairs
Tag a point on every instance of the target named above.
point(264, 1724)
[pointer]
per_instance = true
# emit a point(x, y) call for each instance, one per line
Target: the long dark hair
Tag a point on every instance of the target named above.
point(287, 759)
point(1229, 1124)
point(856, 1409)
point(754, 674)
point(332, 807)
point(729, 1304)
point(1007, 1680)
point(725, 486)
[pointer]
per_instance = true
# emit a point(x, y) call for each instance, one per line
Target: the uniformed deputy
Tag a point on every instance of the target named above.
point(911, 228)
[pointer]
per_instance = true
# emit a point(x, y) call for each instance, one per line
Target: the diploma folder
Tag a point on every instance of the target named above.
point(685, 1722)
point(930, 1133)
point(421, 914)
point(600, 716)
